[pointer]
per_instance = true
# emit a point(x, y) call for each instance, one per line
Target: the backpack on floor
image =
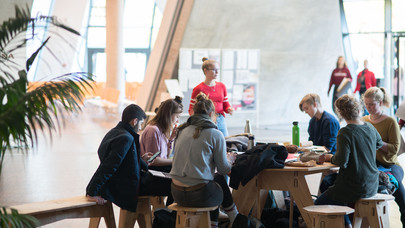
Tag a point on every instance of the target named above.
point(164, 218)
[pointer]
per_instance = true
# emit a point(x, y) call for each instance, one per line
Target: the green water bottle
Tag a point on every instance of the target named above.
point(296, 134)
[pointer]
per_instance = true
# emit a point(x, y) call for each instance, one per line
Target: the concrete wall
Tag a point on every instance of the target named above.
point(7, 8)
point(299, 40)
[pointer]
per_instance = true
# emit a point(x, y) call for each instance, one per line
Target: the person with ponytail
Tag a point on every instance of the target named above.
point(159, 134)
point(216, 91)
point(199, 151)
point(375, 100)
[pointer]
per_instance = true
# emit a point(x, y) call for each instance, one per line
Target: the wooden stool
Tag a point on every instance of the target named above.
point(374, 209)
point(76, 207)
point(328, 216)
point(192, 216)
point(143, 214)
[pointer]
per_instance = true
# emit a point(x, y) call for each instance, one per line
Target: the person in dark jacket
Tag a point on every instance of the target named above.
point(121, 175)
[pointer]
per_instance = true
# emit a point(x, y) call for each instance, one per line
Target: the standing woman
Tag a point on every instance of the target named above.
point(375, 99)
point(216, 91)
point(341, 71)
point(159, 134)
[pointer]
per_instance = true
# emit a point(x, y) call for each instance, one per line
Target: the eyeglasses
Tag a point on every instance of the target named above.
point(214, 70)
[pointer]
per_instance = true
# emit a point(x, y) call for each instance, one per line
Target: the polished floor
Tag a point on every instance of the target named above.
point(62, 166)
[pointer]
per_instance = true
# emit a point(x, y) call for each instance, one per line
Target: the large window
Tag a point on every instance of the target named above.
point(141, 24)
point(371, 38)
point(365, 21)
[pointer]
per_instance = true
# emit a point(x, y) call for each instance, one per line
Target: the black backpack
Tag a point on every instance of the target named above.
point(164, 218)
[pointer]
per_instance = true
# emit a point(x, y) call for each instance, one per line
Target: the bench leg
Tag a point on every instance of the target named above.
point(323, 221)
point(109, 216)
point(205, 220)
point(127, 219)
point(181, 220)
point(94, 222)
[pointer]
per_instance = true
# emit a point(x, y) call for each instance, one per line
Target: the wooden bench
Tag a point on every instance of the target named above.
point(143, 214)
point(192, 216)
point(374, 209)
point(76, 207)
point(331, 216)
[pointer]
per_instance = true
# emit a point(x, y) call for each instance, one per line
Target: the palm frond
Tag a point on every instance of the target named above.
point(11, 218)
point(25, 111)
point(13, 36)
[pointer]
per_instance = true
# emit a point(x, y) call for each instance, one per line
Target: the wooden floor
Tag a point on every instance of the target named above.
point(61, 168)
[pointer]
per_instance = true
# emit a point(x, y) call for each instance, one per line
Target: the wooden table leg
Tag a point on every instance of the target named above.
point(298, 188)
point(245, 196)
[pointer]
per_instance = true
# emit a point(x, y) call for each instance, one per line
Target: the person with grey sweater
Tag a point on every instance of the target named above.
point(200, 150)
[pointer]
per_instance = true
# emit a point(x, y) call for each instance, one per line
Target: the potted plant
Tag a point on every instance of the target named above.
point(23, 111)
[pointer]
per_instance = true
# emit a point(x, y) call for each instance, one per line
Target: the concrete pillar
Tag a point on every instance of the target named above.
point(115, 46)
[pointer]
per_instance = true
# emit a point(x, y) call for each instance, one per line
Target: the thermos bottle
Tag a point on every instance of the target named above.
point(296, 134)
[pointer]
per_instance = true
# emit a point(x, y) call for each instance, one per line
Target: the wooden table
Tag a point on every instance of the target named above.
point(289, 178)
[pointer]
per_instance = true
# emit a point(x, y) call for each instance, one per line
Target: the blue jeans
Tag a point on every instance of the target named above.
point(222, 125)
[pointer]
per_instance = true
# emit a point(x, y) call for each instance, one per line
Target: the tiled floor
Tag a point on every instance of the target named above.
point(62, 167)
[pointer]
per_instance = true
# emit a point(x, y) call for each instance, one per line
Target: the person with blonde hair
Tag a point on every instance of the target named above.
point(216, 91)
point(376, 99)
point(200, 151)
point(357, 143)
point(323, 127)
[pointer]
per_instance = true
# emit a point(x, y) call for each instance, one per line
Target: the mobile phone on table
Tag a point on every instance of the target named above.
point(153, 157)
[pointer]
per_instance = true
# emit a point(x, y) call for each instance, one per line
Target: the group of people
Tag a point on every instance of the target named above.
point(364, 144)
point(199, 164)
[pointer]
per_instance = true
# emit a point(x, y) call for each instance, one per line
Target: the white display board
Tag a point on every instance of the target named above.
point(239, 72)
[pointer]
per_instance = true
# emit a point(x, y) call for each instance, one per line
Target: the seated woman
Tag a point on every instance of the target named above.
point(200, 148)
point(357, 143)
point(323, 127)
point(159, 134)
point(375, 99)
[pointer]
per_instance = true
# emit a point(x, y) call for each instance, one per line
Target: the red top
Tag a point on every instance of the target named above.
point(217, 94)
point(369, 80)
point(338, 75)
point(401, 123)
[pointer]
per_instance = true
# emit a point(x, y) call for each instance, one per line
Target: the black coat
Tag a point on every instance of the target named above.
point(117, 178)
point(250, 163)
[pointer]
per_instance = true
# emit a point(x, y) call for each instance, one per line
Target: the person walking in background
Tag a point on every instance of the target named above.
point(200, 152)
point(159, 134)
point(339, 73)
point(216, 91)
point(365, 80)
point(375, 99)
point(357, 143)
point(323, 127)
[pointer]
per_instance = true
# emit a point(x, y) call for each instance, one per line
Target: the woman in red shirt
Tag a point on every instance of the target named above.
point(216, 91)
point(339, 73)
